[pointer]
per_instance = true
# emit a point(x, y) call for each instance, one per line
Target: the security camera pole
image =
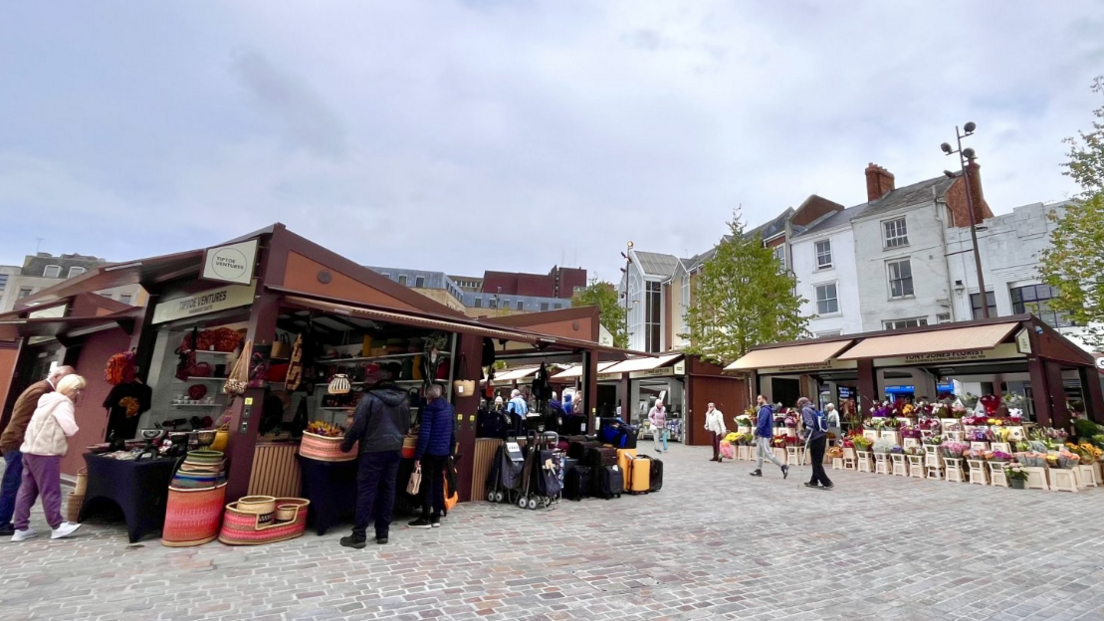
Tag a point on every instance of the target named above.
point(964, 157)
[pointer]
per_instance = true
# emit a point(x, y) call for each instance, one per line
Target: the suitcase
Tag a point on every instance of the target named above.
point(577, 483)
point(656, 476)
point(628, 436)
point(578, 449)
point(610, 482)
point(624, 461)
point(638, 476)
point(598, 457)
point(569, 464)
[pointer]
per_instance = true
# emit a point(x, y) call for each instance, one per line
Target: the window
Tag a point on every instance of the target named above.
point(493, 303)
point(1034, 299)
point(975, 304)
point(519, 305)
point(24, 292)
point(943, 318)
point(402, 279)
point(822, 335)
point(124, 298)
point(52, 271)
point(896, 233)
point(652, 310)
point(419, 282)
point(824, 254)
point(901, 324)
point(544, 306)
point(827, 301)
point(479, 302)
point(3, 281)
point(558, 306)
point(900, 278)
point(76, 271)
point(780, 254)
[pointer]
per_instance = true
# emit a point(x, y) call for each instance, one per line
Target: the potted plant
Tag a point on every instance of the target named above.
point(1017, 476)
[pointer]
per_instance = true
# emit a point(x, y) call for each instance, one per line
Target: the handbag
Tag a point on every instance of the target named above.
point(258, 371)
point(414, 485)
point(186, 367)
point(238, 379)
point(281, 347)
point(340, 385)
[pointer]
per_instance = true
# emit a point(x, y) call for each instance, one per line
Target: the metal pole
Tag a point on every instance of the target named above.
point(973, 228)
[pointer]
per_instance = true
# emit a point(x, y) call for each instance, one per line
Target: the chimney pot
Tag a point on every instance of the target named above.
point(879, 182)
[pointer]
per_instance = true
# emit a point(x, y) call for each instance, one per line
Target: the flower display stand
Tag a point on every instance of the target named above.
point(911, 443)
point(979, 446)
point(1063, 480)
point(997, 476)
point(795, 455)
point(1036, 479)
point(1098, 471)
point(780, 454)
point(849, 460)
point(743, 453)
point(870, 434)
point(916, 466)
point(1003, 447)
point(892, 435)
point(1087, 476)
point(979, 474)
point(953, 467)
point(881, 463)
point(900, 466)
point(863, 461)
point(954, 436)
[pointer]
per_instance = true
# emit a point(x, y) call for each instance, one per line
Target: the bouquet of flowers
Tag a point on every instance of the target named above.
point(1015, 472)
point(990, 403)
point(1088, 452)
point(914, 450)
point(975, 420)
point(1050, 437)
point(897, 450)
point(732, 437)
point(324, 429)
point(997, 456)
point(791, 419)
point(958, 410)
point(996, 422)
point(744, 421)
point(1098, 440)
point(1032, 459)
point(910, 432)
point(834, 452)
point(778, 441)
point(1067, 459)
point(884, 445)
point(881, 411)
point(929, 424)
point(908, 410)
point(862, 443)
point(955, 450)
point(1013, 400)
point(980, 435)
point(968, 400)
point(934, 440)
point(892, 423)
point(940, 410)
point(878, 424)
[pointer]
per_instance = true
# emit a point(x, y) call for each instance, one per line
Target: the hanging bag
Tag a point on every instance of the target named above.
point(415, 484)
point(238, 379)
point(340, 385)
point(186, 367)
point(281, 347)
point(295, 366)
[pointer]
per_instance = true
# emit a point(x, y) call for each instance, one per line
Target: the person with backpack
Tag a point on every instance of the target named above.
point(816, 440)
point(764, 432)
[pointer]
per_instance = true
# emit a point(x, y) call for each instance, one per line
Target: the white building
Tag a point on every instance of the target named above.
point(43, 270)
point(642, 287)
point(824, 259)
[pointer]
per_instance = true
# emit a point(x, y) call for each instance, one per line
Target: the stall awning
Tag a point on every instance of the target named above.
point(511, 375)
point(642, 364)
point(790, 356)
point(577, 371)
point(931, 341)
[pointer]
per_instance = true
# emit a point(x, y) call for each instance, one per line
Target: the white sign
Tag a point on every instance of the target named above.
point(210, 301)
point(1023, 341)
point(1007, 350)
point(1100, 363)
point(49, 313)
point(233, 263)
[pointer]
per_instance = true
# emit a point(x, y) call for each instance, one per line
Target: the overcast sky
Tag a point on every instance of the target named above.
point(511, 135)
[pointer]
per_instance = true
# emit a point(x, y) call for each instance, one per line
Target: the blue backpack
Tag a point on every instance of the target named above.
point(821, 421)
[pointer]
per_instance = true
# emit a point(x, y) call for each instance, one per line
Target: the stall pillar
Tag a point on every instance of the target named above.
point(868, 385)
point(1057, 395)
point(144, 337)
point(624, 393)
point(245, 413)
point(590, 387)
point(1094, 395)
point(469, 352)
point(1040, 391)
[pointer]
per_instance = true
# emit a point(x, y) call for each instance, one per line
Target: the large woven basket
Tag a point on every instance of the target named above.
point(195, 480)
point(193, 516)
point(321, 448)
point(247, 529)
point(73, 507)
point(204, 457)
point(256, 505)
point(81, 485)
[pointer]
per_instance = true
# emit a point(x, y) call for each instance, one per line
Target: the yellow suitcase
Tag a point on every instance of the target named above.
point(624, 459)
point(639, 476)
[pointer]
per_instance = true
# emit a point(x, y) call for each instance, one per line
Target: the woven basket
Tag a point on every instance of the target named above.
point(246, 529)
point(463, 388)
point(82, 482)
point(288, 508)
point(195, 480)
point(192, 516)
point(256, 505)
point(204, 458)
point(321, 448)
point(222, 438)
point(73, 507)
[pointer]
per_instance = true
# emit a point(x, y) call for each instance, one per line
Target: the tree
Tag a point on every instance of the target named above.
point(1074, 263)
point(742, 299)
point(611, 312)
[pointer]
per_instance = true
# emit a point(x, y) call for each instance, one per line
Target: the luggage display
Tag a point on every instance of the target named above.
point(624, 459)
point(577, 449)
point(597, 457)
point(656, 476)
point(609, 482)
point(577, 483)
point(574, 424)
point(638, 476)
point(569, 464)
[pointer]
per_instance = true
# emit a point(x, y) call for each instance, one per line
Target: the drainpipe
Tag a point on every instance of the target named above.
point(946, 263)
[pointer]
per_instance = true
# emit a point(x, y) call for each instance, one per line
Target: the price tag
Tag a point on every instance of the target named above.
point(249, 400)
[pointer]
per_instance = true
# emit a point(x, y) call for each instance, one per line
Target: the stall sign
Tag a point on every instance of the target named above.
point(49, 313)
point(233, 263)
point(846, 392)
point(210, 301)
point(1007, 350)
point(605, 377)
point(1023, 341)
point(828, 365)
point(664, 372)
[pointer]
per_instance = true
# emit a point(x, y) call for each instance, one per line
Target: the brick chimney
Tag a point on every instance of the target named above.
point(879, 182)
point(981, 208)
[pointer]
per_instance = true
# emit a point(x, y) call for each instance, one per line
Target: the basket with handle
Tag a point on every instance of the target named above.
point(238, 380)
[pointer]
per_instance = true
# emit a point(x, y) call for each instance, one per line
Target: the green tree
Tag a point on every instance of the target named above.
point(1074, 263)
point(741, 299)
point(612, 313)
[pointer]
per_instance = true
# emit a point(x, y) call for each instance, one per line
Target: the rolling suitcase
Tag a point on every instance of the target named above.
point(656, 476)
point(577, 483)
point(610, 482)
point(599, 456)
point(624, 461)
point(577, 449)
point(638, 476)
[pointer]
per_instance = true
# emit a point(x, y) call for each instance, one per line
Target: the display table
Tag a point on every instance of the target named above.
point(139, 488)
point(331, 488)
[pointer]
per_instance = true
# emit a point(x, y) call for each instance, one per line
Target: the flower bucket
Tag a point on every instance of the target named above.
point(321, 448)
point(192, 516)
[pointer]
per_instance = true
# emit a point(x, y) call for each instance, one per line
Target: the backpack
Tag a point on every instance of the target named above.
point(821, 421)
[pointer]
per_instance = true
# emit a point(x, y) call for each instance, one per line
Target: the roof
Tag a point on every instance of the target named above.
point(654, 264)
point(954, 339)
point(794, 355)
point(901, 197)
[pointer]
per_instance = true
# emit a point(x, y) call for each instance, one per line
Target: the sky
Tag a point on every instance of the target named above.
point(472, 135)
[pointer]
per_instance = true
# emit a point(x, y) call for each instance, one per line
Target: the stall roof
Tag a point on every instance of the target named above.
point(510, 375)
point(643, 364)
point(813, 353)
point(577, 370)
point(954, 339)
point(10, 329)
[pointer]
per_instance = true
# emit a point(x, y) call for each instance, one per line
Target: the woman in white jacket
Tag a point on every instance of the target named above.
point(714, 423)
point(46, 442)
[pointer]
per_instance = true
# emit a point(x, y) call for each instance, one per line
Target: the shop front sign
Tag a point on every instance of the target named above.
point(210, 301)
point(608, 377)
point(49, 313)
point(1023, 341)
point(828, 365)
point(233, 263)
point(664, 372)
point(1007, 350)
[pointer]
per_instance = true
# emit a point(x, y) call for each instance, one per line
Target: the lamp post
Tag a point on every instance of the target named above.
point(965, 157)
point(628, 262)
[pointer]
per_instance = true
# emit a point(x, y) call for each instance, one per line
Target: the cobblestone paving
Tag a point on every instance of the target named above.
point(714, 544)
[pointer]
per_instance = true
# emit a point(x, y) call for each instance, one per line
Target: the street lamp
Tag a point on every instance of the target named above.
point(965, 157)
point(628, 262)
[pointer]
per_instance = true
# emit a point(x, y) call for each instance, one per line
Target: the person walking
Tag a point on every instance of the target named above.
point(12, 440)
point(432, 454)
point(835, 430)
point(658, 419)
point(380, 423)
point(816, 438)
point(714, 423)
point(45, 443)
point(764, 432)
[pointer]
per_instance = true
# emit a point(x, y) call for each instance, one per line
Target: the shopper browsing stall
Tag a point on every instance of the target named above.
point(431, 455)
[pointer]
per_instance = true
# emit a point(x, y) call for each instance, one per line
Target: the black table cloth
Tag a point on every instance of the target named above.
point(139, 488)
point(331, 488)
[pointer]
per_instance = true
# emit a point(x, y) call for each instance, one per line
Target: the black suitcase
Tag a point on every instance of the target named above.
point(577, 449)
point(573, 425)
point(569, 464)
point(600, 456)
point(610, 482)
point(577, 483)
point(657, 476)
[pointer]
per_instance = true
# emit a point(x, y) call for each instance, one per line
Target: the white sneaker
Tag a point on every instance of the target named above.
point(63, 531)
point(22, 535)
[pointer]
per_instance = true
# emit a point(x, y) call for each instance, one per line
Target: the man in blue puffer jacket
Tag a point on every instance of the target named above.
point(764, 431)
point(431, 456)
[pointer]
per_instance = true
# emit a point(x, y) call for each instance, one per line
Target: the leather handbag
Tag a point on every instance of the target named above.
point(281, 347)
point(414, 485)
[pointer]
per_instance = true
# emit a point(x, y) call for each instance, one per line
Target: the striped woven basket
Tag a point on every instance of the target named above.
point(321, 448)
point(193, 516)
point(247, 529)
point(73, 507)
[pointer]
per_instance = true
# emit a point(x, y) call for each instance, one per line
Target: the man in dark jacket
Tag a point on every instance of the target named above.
point(764, 432)
point(12, 439)
point(815, 441)
point(381, 422)
point(431, 456)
